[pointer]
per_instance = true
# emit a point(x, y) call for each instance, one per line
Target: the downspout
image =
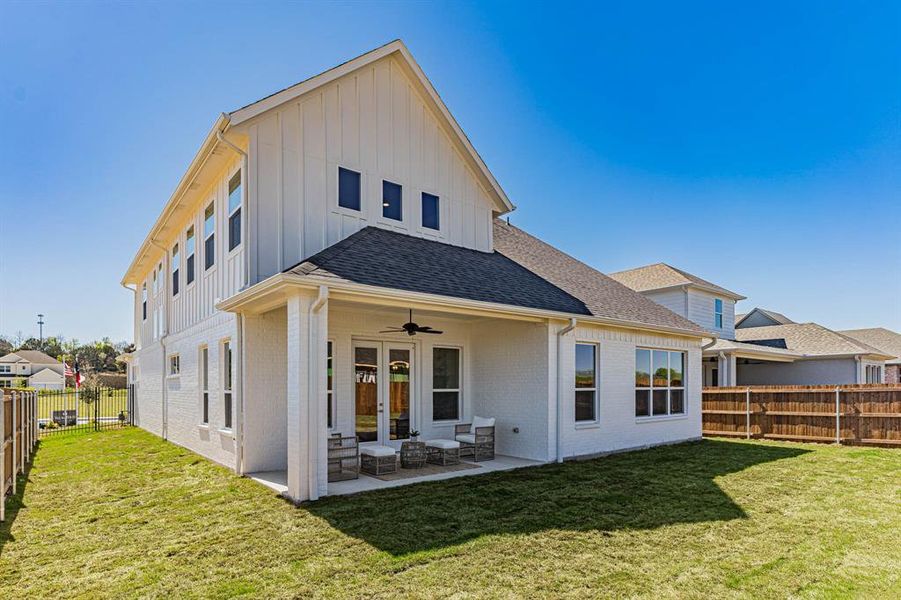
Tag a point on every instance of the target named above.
point(245, 190)
point(163, 335)
point(239, 388)
point(313, 387)
point(559, 435)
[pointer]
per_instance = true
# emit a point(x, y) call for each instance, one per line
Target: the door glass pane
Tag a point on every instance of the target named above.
point(399, 393)
point(367, 393)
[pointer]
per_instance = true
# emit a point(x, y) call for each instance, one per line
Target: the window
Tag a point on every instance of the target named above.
point(445, 384)
point(144, 301)
point(659, 382)
point(204, 385)
point(175, 265)
point(430, 211)
point(586, 382)
point(209, 237)
point(189, 253)
point(5, 369)
point(348, 189)
point(329, 389)
point(392, 201)
point(718, 313)
point(227, 384)
point(234, 211)
point(174, 364)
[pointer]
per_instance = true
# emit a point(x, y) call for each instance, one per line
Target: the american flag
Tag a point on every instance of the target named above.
point(73, 372)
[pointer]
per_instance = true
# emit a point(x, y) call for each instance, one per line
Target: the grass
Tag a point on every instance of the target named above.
point(123, 514)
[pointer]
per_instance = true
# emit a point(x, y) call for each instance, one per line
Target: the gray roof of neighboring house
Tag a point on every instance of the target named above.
point(33, 356)
point(809, 339)
point(523, 271)
point(661, 276)
point(722, 345)
point(878, 337)
point(771, 314)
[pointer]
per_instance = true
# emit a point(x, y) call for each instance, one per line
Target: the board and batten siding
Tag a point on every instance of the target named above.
point(196, 301)
point(372, 121)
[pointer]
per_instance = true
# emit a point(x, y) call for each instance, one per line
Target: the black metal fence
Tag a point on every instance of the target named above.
point(85, 409)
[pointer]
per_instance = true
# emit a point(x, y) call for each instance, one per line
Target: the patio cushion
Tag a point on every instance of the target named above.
point(377, 450)
point(443, 444)
point(466, 438)
point(481, 422)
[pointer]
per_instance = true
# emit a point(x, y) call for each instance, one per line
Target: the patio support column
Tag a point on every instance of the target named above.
point(733, 370)
point(306, 381)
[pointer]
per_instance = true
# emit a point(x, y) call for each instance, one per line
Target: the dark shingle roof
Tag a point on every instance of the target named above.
point(523, 271)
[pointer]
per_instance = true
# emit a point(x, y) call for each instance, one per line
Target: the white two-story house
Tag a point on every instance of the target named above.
point(761, 347)
point(269, 293)
point(31, 368)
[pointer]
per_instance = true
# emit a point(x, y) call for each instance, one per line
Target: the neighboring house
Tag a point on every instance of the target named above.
point(887, 341)
point(310, 223)
point(761, 347)
point(31, 368)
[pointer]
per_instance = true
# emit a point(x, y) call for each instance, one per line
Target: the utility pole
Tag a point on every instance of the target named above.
point(41, 328)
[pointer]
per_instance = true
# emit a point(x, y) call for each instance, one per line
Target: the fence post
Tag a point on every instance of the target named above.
point(3, 451)
point(838, 405)
point(15, 398)
point(748, 413)
point(96, 409)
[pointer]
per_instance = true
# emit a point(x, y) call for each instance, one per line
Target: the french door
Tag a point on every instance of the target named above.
point(383, 392)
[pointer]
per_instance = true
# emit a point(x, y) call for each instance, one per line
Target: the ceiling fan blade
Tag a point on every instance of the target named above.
point(430, 330)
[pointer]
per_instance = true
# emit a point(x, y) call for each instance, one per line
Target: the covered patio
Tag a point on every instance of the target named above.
point(724, 360)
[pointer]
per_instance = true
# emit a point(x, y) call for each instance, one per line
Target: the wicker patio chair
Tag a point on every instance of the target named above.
point(476, 439)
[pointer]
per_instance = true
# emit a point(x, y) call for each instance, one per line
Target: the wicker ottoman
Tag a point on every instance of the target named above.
point(378, 460)
point(443, 452)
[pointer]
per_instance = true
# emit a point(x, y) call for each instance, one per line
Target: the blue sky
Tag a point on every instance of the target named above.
point(757, 145)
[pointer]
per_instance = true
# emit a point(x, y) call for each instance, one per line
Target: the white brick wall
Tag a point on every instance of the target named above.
point(265, 427)
point(183, 393)
point(617, 427)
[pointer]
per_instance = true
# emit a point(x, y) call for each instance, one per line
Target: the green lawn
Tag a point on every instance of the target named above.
point(123, 514)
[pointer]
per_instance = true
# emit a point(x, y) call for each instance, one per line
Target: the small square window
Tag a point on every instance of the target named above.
point(174, 365)
point(392, 201)
point(430, 211)
point(348, 189)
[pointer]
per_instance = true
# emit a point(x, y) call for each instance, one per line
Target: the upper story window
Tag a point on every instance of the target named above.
point(430, 211)
point(189, 254)
point(586, 382)
point(209, 236)
point(392, 201)
point(158, 277)
point(348, 189)
point(659, 382)
point(175, 264)
point(144, 301)
point(718, 313)
point(234, 211)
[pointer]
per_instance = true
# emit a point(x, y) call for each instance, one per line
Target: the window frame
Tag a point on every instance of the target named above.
point(173, 365)
point(232, 212)
point(422, 198)
point(382, 215)
point(227, 377)
point(718, 319)
point(175, 258)
point(190, 252)
point(209, 248)
point(458, 390)
point(357, 212)
point(143, 301)
point(596, 409)
point(203, 383)
point(650, 388)
point(331, 414)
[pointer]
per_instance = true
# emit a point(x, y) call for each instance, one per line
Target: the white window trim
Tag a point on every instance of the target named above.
point(229, 391)
point(343, 210)
point(175, 266)
point(230, 212)
point(207, 270)
point(187, 256)
point(720, 313)
point(203, 384)
point(668, 415)
point(404, 214)
point(173, 360)
point(438, 233)
point(458, 389)
point(596, 389)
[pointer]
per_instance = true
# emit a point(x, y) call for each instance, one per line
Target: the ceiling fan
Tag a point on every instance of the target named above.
point(411, 328)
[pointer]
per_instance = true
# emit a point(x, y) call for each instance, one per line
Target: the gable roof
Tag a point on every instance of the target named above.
point(809, 339)
point(523, 271)
point(396, 49)
point(213, 154)
point(32, 356)
point(47, 374)
point(777, 318)
point(661, 276)
point(884, 339)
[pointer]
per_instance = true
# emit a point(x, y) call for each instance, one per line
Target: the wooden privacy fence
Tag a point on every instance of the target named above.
point(846, 414)
point(18, 417)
